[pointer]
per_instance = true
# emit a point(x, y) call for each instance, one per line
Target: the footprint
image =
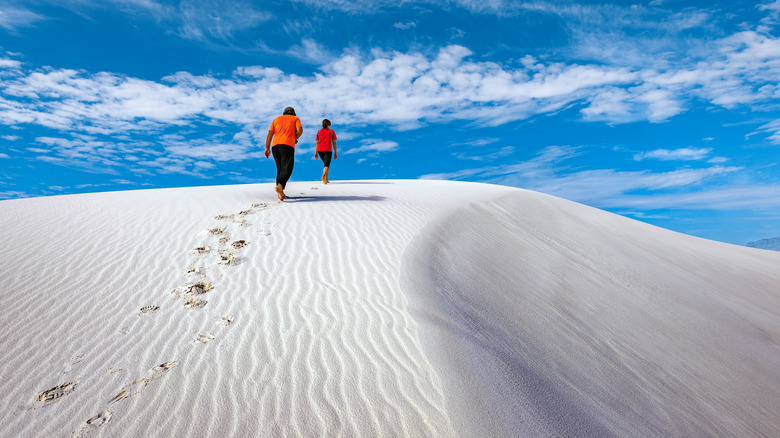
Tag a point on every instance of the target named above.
point(215, 231)
point(203, 339)
point(121, 395)
point(196, 270)
point(193, 303)
point(191, 290)
point(68, 366)
point(200, 250)
point(114, 370)
point(136, 386)
point(127, 391)
point(55, 393)
point(148, 309)
point(199, 288)
point(228, 259)
point(100, 419)
point(223, 217)
point(224, 240)
point(93, 422)
point(264, 233)
point(163, 368)
point(238, 244)
point(225, 321)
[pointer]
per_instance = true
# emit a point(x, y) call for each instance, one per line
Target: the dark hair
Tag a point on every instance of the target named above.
point(289, 111)
point(325, 123)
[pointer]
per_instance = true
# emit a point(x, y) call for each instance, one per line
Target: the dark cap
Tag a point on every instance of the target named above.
point(289, 111)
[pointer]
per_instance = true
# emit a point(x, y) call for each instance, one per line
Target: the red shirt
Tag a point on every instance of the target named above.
point(283, 128)
point(325, 137)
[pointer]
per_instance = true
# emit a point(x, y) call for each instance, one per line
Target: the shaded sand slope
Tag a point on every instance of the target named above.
point(375, 308)
point(550, 318)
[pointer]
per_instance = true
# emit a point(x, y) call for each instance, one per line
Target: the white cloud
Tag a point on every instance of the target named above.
point(10, 137)
point(2, 155)
point(91, 155)
point(610, 188)
point(773, 128)
point(239, 148)
point(774, 12)
point(405, 26)
point(399, 90)
point(406, 90)
point(482, 154)
point(684, 154)
point(374, 146)
point(9, 63)
point(210, 21)
point(13, 18)
point(11, 194)
point(216, 19)
point(310, 51)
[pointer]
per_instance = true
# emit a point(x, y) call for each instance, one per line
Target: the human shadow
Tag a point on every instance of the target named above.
point(333, 198)
point(357, 182)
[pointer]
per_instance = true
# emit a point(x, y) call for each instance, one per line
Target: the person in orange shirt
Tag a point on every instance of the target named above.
point(284, 132)
point(325, 139)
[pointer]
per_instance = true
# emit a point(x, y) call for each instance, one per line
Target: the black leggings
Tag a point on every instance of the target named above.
point(284, 156)
point(325, 156)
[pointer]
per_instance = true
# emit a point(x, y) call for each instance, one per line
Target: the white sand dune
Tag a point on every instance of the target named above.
point(376, 308)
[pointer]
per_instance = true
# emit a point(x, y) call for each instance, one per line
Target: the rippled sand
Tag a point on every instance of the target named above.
point(376, 308)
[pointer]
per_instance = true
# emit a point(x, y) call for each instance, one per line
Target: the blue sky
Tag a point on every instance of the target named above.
point(664, 111)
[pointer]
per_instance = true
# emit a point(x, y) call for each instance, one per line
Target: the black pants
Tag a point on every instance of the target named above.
point(325, 156)
point(284, 156)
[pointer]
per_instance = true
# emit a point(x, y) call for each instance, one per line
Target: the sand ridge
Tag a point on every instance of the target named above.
point(596, 325)
point(181, 300)
point(220, 311)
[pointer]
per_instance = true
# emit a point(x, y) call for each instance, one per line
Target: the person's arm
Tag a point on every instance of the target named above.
point(316, 140)
point(298, 132)
point(268, 144)
point(335, 154)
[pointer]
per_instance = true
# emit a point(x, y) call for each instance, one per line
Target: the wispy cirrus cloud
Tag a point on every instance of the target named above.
point(682, 154)
point(218, 20)
point(204, 20)
point(14, 17)
point(484, 154)
point(612, 188)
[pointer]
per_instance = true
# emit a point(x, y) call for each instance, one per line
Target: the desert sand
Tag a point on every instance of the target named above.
point(376, 308)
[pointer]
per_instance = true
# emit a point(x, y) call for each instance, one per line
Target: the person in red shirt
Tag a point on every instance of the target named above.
point(284, 132)
point(325, 139)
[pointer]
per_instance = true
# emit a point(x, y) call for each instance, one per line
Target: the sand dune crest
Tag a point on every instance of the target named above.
point(376, 308)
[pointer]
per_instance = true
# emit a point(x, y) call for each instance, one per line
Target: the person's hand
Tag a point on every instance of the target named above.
point(335, 155)
point(267, 152)
point(315, 156)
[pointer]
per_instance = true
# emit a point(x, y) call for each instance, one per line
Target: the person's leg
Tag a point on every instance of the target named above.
point(278, 160)
point(284, 159)
point(326, 157)
point(287, 155)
